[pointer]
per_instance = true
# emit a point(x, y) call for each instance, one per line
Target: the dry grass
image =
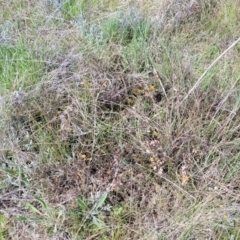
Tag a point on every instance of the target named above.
point(119, 120)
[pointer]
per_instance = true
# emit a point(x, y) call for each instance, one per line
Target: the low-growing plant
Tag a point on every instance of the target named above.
point(43, 215)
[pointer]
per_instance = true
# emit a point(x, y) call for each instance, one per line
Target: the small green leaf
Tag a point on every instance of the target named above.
point(32, 208)
point(101, 200)
point(98, 222)
point(82, 204)
point(43, 203)
point(23, 218)
point(94, 212)
point(118, 210)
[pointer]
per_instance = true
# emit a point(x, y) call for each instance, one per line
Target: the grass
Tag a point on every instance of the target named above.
point(119, 120)
point(18, 67)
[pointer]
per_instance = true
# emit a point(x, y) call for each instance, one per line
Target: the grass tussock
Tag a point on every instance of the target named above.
point(119, 121)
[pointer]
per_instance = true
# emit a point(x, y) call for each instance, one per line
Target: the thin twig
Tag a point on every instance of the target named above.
point(160, 81)
point(206, 71)
point(178, 187)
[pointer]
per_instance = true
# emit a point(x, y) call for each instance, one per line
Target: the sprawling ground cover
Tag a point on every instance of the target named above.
point(119, 119)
